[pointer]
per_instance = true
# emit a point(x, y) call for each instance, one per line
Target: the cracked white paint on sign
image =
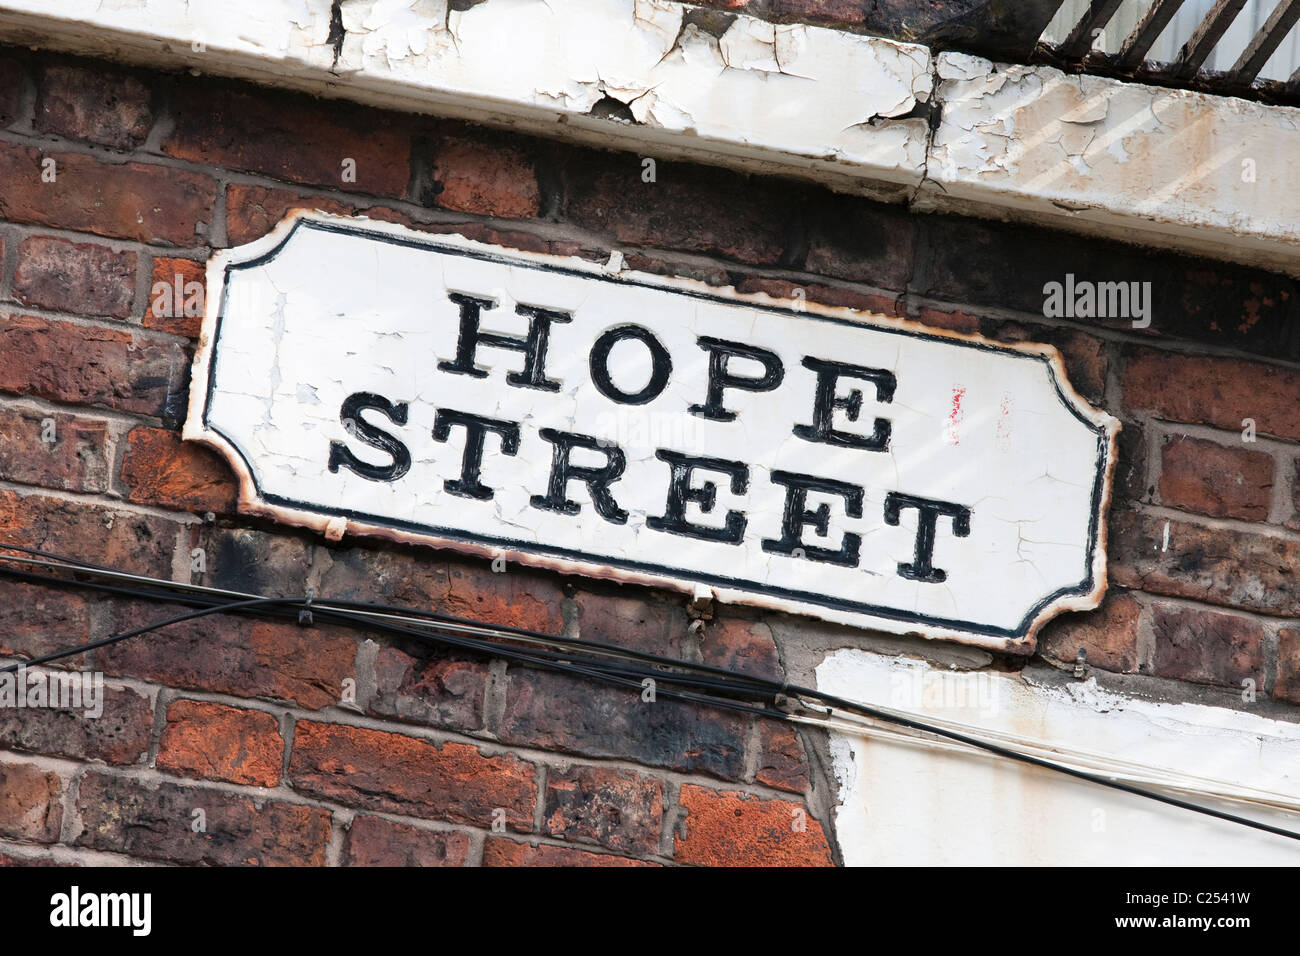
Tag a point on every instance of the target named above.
point(829, 462)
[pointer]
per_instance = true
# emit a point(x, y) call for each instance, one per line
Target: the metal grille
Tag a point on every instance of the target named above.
point(1236, 47)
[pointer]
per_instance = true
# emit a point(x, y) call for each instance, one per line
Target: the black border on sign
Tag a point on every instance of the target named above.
point(1085, 586)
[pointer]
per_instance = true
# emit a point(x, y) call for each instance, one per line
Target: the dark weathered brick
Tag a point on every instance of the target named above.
point(101, 107)
point(124, 815)
point(1252, 572)
point(297, 138)
point(577, 715)
point(689, 208)
point(438, 692)
point(782, 762)
point(617, 809)
point(118, 734)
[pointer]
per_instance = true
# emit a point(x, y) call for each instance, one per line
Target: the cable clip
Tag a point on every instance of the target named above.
point(304, 616)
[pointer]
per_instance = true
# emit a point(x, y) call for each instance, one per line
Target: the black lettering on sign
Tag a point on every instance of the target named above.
point(825, 402)
point(597, 479)
point(797, 517)
point(721, 352)
point(928, 511)
point(680, 491)
point(533, 346)
point(476, 428)
point(358, 427)
point(661, 365)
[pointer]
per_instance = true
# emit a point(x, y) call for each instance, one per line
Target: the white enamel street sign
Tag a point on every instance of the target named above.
point(367, 379)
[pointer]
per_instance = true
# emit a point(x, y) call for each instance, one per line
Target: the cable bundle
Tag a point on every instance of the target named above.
point(675, 679)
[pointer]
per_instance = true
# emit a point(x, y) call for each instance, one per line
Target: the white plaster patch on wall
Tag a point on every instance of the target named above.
point(978, 809)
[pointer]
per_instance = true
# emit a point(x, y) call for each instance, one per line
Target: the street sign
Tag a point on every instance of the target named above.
point(364, 378)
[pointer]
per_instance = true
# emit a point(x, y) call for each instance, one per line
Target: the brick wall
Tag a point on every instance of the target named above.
point(453, 760)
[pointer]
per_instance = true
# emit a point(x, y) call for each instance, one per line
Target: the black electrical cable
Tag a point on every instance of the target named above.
point(589, 666)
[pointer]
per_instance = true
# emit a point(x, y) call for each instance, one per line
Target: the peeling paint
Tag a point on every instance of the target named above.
point(1088, 153)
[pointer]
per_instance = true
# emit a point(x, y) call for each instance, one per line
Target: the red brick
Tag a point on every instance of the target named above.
point(689, 209)
point(122, 815)
point(438, 692)
point(82, 365)
point(1212, 479)
point(11, 90)
point(119, 735)
point(1251, 572)
point(1207, 647)
point(123, 540)
point(782, 762)
point(253, 211)
point(730, 828)
point(77, 459)
point(216, 742)
point(160, 469)
point(36, 620)
point(84, 278)
point(617, 809)
point(122, 201)
point(179, 314)
point(484, 178)
point(743, 646)
point(29, 803)
point(577, 715)
point(1213, 391)
point(104, 108)
point(636, 623)
point(272, 660)
point(374, 841)
point(852, 238)
point(394, 773)
point(1287, 685)
point(295, 138)
point(499, 851)
point(1108, 635)
point(832, 296)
